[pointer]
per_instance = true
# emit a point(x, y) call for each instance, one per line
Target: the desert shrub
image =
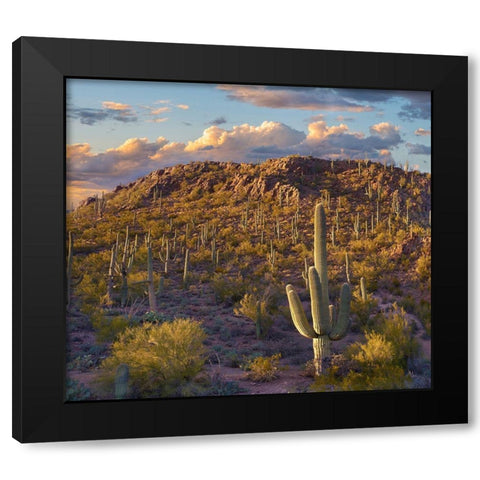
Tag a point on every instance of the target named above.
point(154, 317)
point(369, 272)
point(219, 386)
point(263, 369)
point(423, 267)
point(91, 290)
point(408, 303)
point(232, 359)
point(370, 366)
point(76, 391)
point(159, 357)
point(424, 312)
point(228, 290)
point(398, 331)
point(83, 363)
point(362, 311)
point(376, 351)
point(255, 309)
point(107, 328)
point(391, 283)
point(379, 363)
point(378, 377)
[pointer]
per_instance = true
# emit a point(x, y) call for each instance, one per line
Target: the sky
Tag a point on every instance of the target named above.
point(118, 131)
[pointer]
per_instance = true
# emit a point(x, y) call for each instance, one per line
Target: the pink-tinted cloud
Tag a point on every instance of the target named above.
point(298, 98)
point(422, 132)
point(160, 110)
point(242, 143)
point(245, 137)
point(320, 130)
point(115, 106)
point(384, 130)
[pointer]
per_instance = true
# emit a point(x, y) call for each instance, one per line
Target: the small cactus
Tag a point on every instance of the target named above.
point(150, 281)
point(70, 282)
point(363, 290)
point(272, 257)
point(185, 268)
point(121, 381)
point(167, 253)
point(305, 273)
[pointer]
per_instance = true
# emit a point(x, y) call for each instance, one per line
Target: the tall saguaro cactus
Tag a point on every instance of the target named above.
point(124, 267)
point(152, 301)
point(70, 282)
point(326, 326)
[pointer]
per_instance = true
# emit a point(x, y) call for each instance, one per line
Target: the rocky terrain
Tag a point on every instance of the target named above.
point(217, 243)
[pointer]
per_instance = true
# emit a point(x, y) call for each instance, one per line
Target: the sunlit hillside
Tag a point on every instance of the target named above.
point(176, 282)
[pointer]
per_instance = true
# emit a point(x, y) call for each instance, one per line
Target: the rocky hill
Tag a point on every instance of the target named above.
point(215, 242)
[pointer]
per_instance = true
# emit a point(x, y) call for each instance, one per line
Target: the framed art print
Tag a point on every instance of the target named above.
point(216, 239)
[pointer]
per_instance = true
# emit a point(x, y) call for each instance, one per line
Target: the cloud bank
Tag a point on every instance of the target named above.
point(241, 143)
point(292, 97)
point(120, 112)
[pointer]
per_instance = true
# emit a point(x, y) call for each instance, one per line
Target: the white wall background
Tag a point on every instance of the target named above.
point(407, 26)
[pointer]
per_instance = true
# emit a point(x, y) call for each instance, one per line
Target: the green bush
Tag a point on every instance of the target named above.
point(159, 357)
point(228, 290)
point(398, 331)
point(256, 309)
point(91, 289)
point(107, 328)
point(371, 366)
point(376, 351)
point(424, 312)
point(76, 391)
point(263, 369)
point(379, 363)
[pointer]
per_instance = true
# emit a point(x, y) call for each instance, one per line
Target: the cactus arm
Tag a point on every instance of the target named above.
point(340, 327)
point(298, 315)
point(332, 314)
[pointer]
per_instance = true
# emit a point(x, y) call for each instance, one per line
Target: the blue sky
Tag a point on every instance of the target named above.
point(120, 130)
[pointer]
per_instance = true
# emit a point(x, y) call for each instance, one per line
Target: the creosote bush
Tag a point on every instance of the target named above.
point(256, 309)
point(263, 369)
point(160, 358)
point(107, 328)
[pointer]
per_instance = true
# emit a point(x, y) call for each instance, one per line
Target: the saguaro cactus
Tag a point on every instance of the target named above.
point(167, 253)
point(326, 326)
point(185, 268)
point(128, 256)
point(363, 290)
point(152, 301)
point(121, 381)
point(70, 282)
point(111, 273)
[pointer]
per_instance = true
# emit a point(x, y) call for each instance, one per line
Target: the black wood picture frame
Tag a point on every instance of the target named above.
point(40, 67)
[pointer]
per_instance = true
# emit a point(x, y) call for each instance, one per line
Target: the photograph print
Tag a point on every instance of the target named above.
point(227, 239)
